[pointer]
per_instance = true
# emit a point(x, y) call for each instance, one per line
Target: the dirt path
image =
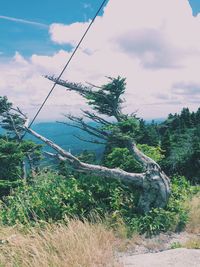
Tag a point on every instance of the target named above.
point(179, 257)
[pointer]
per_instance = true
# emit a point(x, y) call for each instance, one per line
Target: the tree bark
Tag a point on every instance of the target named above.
point(156, 187)
point(153, 183)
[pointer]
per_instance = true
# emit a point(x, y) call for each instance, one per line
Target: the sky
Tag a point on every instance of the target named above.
point(155, 44)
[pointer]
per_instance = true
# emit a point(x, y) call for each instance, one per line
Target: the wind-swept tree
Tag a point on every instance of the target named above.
point(114, 129)
point(15, 153)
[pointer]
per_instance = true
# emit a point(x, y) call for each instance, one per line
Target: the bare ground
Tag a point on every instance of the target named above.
point(158, 252)
point(180, 257)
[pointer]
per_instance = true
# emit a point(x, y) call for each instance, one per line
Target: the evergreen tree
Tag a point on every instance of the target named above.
point(166, 143)
point(15, 154)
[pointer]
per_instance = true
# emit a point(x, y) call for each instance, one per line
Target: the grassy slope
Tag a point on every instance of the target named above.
point(80, 244)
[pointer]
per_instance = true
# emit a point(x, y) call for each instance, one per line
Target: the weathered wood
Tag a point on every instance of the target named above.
point(153, 183)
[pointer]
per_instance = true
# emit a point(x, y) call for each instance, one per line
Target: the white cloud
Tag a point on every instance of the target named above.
point(24, 21)
point(67, 34)
point(155, 44)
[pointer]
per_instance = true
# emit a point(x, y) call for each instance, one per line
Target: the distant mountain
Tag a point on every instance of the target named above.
point(157, 121)
point(63, 135)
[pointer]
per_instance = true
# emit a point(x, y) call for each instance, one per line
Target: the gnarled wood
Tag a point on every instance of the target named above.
point(156, 188)
point(153, 183)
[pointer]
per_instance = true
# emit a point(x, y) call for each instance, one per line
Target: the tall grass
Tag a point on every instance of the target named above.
point(77, 244)
point(193, 225)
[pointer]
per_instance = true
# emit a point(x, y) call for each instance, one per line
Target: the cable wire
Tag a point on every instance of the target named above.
point(65, 67)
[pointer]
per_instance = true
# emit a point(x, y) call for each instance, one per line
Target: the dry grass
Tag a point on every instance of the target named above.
point(193, 243)
point(76, 245)
point(193, 225)
point(125, 245)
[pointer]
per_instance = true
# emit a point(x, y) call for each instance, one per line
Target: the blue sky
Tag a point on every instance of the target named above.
point(195, 4)
point(30, 38)
point(155, 44)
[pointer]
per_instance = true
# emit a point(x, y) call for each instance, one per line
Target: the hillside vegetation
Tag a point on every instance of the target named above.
point(179, 138)
point(75, 210)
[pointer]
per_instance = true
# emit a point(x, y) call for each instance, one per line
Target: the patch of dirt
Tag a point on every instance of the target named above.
point(158, 243)
point(157, 251)
point(180, 257)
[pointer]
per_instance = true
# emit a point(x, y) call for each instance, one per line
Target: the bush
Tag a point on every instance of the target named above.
point(51, 197)
point(122, 158)
point(173, 218)
point(47, 197)
point(154, 222)
point(11, 157)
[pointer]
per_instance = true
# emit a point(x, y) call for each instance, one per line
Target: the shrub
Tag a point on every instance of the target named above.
point(48, 197)
point(154, 222)
point(174, 217)
point(51, 197)
point(122, 158)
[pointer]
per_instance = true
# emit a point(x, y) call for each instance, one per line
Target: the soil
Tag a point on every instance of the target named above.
point(180, 257)
point(158, 252)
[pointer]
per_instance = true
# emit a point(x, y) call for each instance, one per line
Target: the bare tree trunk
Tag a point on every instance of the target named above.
point(30, 162)
point(24, 173)
point(153, 183)
point(156, 188)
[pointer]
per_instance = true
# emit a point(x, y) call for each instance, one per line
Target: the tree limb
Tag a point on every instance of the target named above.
point(95, 117)
point(80, 124)
point(93, 141)
point(77, 87)
point(136, 178)
point(146, 161)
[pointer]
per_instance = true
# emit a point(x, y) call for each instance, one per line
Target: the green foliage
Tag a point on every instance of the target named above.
point(4, 104)
point(107, 100)
point(126, 129)
point(129, 126)
point(12, 156)
point(181, 189)
point(11, 119)
point(121, 158)
point(87, 157)
point(51, 197)
point(47, 198)
point(154, 222)
point(175, 245)
point(156, 153)
point(173, 218)
point(7, 186)
point(15, 154)
point(166, 143)
point(148, 133)
point(179, 138)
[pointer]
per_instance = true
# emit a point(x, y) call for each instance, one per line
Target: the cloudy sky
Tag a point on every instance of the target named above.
point(155, 44)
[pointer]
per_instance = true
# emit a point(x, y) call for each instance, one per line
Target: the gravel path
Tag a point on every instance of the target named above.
point(179, 257)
